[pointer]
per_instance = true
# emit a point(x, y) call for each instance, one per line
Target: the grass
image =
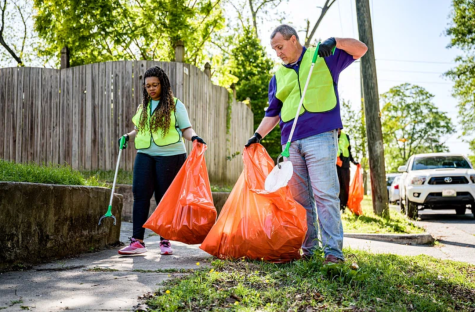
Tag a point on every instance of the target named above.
point(48, 174)
point(371, 223)
point(64, 175)
point(218, 188)
point(366, 282)
point(12, 303)
point(107, 176)
point(165, 271)
point(99, 269)
point(126, 177)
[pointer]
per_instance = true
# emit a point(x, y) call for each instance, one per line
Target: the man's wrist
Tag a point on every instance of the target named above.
point(338, 44)
point(258, 135)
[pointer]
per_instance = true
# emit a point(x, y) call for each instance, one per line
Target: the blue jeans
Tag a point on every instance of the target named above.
point(315, 186)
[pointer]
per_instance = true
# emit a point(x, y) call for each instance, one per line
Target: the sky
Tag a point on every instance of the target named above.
point(409, 42)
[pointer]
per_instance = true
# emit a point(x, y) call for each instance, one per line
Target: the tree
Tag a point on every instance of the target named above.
point(258, 10)
point(355, 126)
point(411, 124)
point(252, 67)
point(462, 33)
point(325, 8)
point(472, 148)
point(106, 30)
point(17, 39)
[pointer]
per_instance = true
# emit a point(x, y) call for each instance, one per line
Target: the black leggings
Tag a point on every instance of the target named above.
point(151, 174)
point(344, 178)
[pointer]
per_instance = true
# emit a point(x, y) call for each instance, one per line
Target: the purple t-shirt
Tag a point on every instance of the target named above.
point(310, 124)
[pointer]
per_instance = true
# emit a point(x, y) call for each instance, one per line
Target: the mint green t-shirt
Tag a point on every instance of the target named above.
point(182, 122)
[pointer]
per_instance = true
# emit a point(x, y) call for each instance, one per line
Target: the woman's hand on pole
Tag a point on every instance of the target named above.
point(126, 140)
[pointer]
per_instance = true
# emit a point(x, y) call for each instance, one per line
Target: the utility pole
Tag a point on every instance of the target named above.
point(363, 136)
point(372, 112)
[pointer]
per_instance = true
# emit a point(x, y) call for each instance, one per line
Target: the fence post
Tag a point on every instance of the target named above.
point(208, 69)
point(64, 57)
point(233, 87)
point(179, 51)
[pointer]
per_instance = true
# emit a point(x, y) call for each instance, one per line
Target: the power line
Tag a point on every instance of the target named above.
point(411, 61)
point(411, 71)
point(434, 82)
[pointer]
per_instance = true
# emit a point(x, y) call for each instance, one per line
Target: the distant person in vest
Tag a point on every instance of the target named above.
point(314, 146)
point(344, 152)
point(161, 122)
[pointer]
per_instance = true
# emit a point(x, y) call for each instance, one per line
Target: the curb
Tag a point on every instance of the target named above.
point(416, 239)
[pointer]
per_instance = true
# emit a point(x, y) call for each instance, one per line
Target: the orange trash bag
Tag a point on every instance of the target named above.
point(186, 212)
point(254, 223)
point(356, 192)
point(339, 163)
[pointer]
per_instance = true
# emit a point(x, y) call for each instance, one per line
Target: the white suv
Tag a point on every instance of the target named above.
point(437, 181)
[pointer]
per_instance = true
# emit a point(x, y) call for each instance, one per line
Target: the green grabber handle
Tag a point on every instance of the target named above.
point(286, 152)
point(122, 142)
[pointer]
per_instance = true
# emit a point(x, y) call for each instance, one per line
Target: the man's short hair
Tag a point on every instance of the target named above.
point(286, 31)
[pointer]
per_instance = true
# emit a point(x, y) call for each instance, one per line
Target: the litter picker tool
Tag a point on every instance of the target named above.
point(109, 209)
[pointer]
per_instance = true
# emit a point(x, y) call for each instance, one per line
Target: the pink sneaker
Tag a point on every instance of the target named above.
point(134, 248)
point(166, 247)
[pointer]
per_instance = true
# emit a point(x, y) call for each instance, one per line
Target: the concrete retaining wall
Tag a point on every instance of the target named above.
point(219, 198)
point(42, 222)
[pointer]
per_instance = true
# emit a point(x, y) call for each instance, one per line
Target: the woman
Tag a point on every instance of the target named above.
point(161, 122)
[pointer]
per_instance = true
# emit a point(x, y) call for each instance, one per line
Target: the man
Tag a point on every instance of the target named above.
point(343, 169)
point(314, 145)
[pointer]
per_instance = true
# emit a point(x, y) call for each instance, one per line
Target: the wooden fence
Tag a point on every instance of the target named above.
point(75, 115)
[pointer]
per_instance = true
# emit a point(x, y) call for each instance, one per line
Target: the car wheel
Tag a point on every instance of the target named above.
point(411, 209)
point(473, 212)
point(401, 205)
point(460, 210)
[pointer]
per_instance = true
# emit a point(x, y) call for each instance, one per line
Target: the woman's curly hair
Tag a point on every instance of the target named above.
point(161, 118)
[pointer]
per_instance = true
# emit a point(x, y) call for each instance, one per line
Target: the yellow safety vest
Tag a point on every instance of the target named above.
point(143, 137)
point(343, 144)
point(320, 96)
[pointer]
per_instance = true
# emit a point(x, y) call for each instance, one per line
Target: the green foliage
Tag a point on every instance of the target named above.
point(218, 188)
point(462, 33)
point(354, 125)
point(18, 34)
point(51, 174)
point(371, 223)
point(108, 30)
point(107, 176)
point(251, 65)
point(464, 89)
point(462, 29)
point(472, 149)
point(366, 282)
point(411, 124)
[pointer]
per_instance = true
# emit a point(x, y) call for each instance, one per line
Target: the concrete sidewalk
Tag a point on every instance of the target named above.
point(105, 281)
point(101, 281)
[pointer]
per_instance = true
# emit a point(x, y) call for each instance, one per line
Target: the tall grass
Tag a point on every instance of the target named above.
point(47, 174)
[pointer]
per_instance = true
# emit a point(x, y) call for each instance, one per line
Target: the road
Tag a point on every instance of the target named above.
point(455, 234)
